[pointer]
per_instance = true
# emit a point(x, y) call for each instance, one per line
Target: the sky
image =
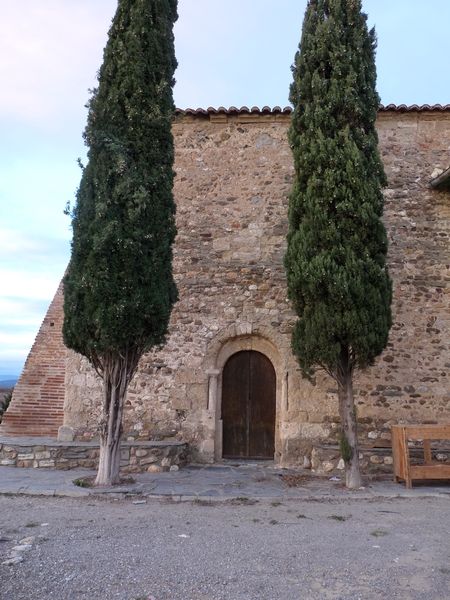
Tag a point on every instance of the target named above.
point(230, 53)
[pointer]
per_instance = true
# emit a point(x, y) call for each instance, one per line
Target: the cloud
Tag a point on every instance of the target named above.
point(29, 284)
point(38, 250)
point(15, 345)
point(31, 269)
point(23, 303)
point(19, 323)
point(50, 52)
point(22, 283)
point(21, 313)
point(14, 242)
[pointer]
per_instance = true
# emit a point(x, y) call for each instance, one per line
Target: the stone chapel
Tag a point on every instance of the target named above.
point(227, 359)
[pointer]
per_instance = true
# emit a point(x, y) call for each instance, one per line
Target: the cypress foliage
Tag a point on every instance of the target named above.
point(338, 280)
point(119, 288)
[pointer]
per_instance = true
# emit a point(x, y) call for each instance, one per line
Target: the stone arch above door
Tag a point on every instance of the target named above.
point(245, 336)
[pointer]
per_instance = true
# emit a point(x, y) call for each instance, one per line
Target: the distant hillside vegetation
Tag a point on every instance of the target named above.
point(5, 395)
point(6, 384)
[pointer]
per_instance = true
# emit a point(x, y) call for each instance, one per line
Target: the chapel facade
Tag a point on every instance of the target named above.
point(226, 381)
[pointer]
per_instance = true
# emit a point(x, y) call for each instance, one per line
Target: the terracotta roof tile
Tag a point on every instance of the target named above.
point(277, 110)
point(233, 110)
point(415, 108)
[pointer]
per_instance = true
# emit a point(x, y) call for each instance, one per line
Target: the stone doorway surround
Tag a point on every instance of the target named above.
point(228, 342)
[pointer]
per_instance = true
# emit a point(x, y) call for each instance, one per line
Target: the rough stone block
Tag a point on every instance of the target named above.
point(9, 449)
point(28, 456)
point(141, 452)
point(328, 466)
point(9, 454)
point(66, 434)
point(148, 460)
point(42, 455)
point(46, 463)
point(154, 469)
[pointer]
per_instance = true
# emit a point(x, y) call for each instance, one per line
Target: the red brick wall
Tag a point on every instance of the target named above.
point(37, 404)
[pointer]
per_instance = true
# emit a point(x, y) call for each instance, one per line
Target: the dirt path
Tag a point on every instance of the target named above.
point(103, 549)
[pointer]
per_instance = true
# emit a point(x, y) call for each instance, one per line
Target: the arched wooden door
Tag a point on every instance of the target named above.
point(248, 406)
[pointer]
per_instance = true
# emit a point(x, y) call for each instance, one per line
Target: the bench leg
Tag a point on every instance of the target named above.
point(427, 451)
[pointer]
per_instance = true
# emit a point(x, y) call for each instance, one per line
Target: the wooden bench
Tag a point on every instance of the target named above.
point(430, 469)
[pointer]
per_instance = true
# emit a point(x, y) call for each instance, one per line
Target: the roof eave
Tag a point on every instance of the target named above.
point(287, 110)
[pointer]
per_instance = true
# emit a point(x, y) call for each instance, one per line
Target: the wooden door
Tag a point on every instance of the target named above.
point(248, 406)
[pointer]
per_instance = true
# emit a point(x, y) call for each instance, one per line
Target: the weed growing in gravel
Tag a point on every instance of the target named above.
point(242, 500)
point(201, 502)
point(82, 482)
point(379, 533)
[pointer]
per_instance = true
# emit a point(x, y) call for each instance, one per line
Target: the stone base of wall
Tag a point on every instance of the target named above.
point(326, 459)
point(157, 456)
point(136, 457)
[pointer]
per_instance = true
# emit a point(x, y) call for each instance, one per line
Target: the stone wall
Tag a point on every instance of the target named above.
point(234, 173)
point(136, 457)
point(411, 380)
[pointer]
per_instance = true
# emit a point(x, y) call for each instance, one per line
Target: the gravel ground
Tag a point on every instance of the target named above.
point(297, 550)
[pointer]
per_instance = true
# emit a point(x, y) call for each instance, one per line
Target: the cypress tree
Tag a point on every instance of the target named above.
point(119, 288)
point(338, 280)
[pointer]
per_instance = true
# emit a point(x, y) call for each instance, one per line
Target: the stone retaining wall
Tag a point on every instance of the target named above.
point(326, 459)
point(136, 457)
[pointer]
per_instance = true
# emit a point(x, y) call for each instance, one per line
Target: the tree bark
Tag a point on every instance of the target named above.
point(349, 430)
point(116, 376)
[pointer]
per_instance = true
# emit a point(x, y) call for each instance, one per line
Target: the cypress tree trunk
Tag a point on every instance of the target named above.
point(349, 427)
point(116, 375)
